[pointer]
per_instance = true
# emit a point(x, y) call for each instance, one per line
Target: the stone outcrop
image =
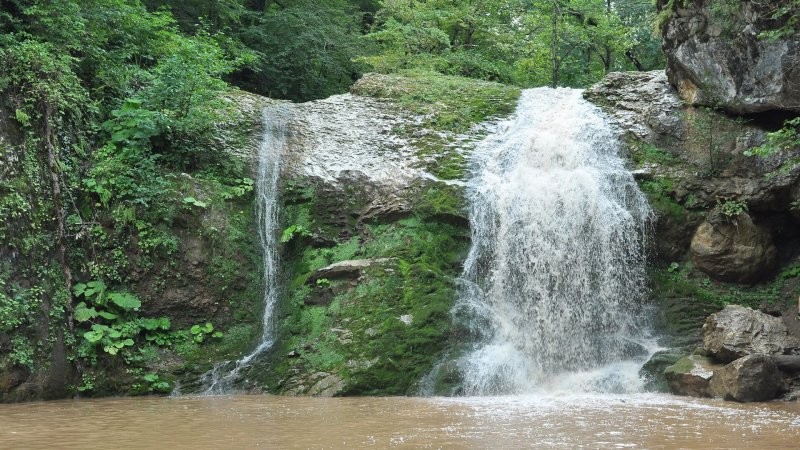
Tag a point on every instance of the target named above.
point(379, 232)
point(752, 378)
point(345, 269)
point(691, 376)
point(733, 249)
point(640, 103)
point(747, 357)
point(719, 53)
point(737, 331)
point(690, 159)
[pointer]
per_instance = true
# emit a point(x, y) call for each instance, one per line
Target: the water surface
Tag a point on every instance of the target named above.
point(586, 421)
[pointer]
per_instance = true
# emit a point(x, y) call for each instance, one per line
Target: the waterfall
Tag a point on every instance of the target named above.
point(221, 378)
point(552, 290)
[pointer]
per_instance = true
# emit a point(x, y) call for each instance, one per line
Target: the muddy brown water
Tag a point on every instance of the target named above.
point(634, 421)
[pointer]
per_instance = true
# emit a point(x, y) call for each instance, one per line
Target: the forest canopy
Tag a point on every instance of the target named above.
point(302, 49)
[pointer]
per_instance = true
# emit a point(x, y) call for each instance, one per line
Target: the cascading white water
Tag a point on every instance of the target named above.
point(553, 285)
point(273, 144)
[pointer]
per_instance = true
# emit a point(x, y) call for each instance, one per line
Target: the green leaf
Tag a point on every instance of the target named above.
point(22, 117)
point(150, 324)
point(114, 334)
point(198, 338)
point(196, 329)
point(79, 288)
point(93, 336)
point(150, 378)
point(195, 202)
point(107, 315)
point(94, 287)
point(84, 313)
point(125, 301)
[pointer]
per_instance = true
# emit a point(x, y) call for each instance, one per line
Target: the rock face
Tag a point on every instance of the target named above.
point(687, 158)
point(718, 54)
point(641, 103)
point(753, 378)
point(345, 269)
point(748, 358)
point(737, 331)
point(381, 233)
point(691, 376)
point(733, 249)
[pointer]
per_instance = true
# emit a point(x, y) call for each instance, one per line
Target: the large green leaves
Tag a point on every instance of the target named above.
point(125, 301)
point(84, 313)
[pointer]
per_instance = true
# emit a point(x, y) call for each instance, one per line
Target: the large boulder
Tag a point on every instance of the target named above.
point(733, 249)
point(753, 378)
point(640, 103)
point(737, 331)
point(691, 375)
point(718, 53)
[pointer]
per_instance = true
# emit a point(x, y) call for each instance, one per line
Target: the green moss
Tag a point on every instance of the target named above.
point(643, 153)
point(687, 297)
point(359, 334)
point(659, 193)
point(447, 103)
point(443, 199)
point(447, 106)
point(686, 364)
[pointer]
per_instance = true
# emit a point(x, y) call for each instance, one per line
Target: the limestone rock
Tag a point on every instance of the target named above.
point(716, 57)
point(737, 331)
point(753, 378)
point(691, 375)
point(350, 136)
point(328, 386)
point(733, 249)
point(346, 269)
point(642, 103)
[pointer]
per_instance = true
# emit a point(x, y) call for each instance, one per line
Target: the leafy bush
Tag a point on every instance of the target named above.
point(731, 208)
point(114, 325)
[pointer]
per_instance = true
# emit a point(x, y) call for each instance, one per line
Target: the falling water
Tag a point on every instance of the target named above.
point(275, 119)
point(552, 288)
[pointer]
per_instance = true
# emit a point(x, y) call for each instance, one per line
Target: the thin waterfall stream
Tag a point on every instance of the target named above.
point(220, 379)
point(552, 290)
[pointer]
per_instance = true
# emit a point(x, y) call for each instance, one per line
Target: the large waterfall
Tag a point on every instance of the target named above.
point(274, 141)
point(552, 290)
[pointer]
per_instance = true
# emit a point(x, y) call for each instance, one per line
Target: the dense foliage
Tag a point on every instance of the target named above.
point(311, 49)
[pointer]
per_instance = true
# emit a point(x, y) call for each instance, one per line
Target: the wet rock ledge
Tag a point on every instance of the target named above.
point(746, 356)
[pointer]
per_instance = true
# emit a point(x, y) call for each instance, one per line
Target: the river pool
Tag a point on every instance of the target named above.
point(249, 421)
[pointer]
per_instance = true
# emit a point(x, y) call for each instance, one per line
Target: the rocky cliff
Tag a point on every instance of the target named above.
point(187, 259)
point(738, 55)
point(725, 229)
point(374, 233)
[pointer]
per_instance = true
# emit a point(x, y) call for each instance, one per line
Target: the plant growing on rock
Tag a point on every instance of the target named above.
point(114, 325)
point(731, 209)
point(200, 332)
